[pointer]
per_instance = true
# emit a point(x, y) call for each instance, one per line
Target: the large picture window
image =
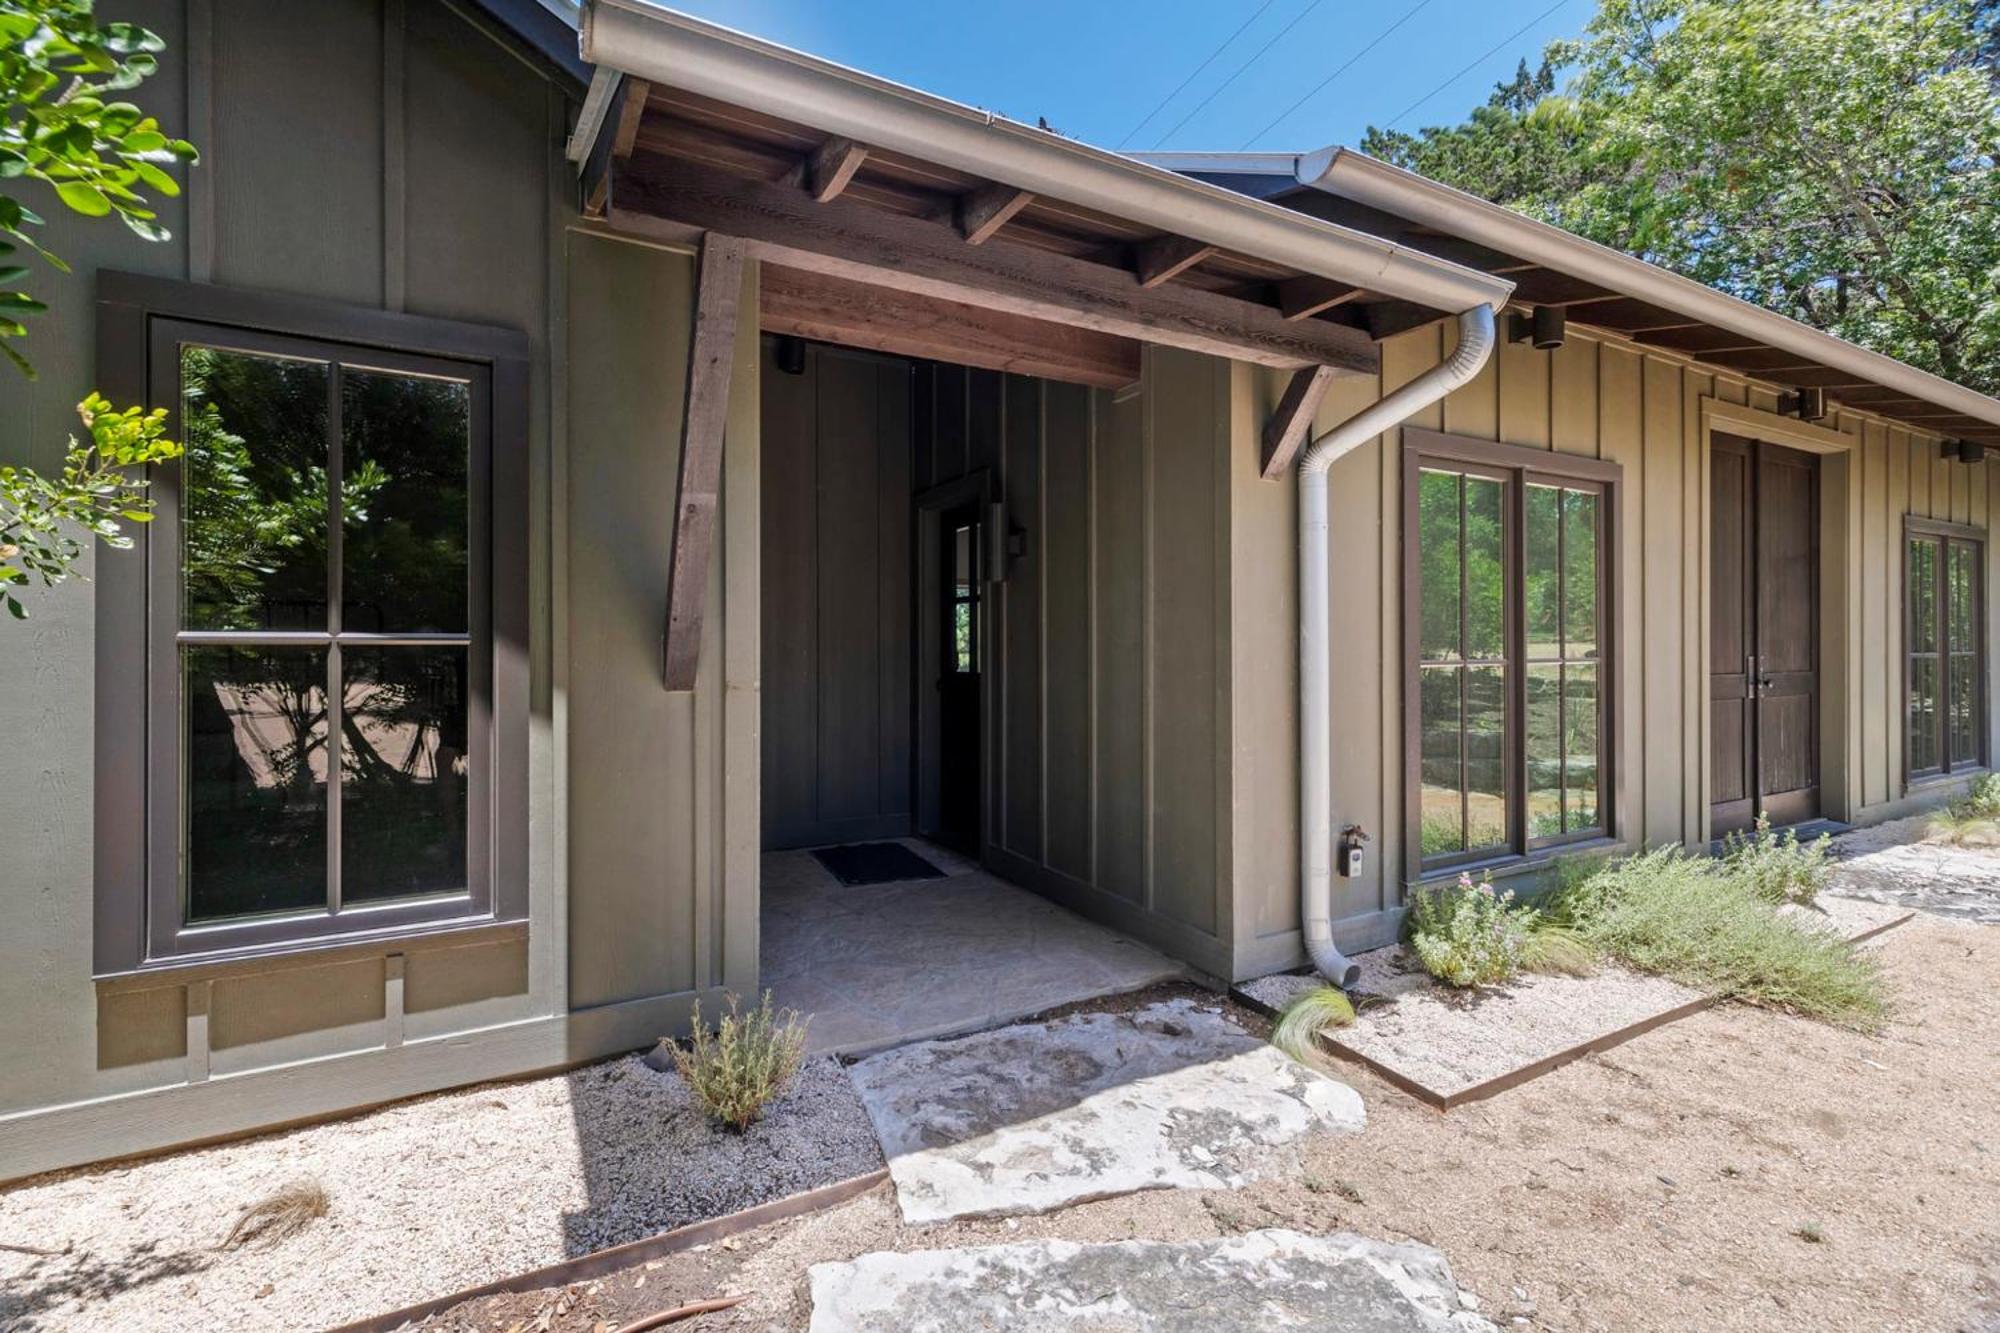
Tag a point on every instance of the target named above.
point(330, 686)
point(1507, 563)
point(1945, 673)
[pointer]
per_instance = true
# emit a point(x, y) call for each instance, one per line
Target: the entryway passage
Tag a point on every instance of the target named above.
point(879, 964)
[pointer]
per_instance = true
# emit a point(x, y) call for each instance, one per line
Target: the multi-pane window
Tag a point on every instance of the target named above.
point(325, 633)
point(1945, 676)
point(1508, 609)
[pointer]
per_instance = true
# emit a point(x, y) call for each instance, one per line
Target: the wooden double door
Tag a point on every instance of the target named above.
point(1764, 634)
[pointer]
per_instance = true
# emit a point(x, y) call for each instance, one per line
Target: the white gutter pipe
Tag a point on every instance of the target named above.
point(1475, 345)
point(676, 51)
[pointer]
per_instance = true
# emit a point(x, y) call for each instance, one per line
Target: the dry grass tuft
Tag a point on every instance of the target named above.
point(278, 1216)
point(1305, 1014)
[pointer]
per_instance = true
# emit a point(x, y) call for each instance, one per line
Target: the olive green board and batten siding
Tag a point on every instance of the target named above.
point(1651, 414)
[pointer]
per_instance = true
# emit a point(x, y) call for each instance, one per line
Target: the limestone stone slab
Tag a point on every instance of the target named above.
point(1257, 1281)
point(1028, 1118)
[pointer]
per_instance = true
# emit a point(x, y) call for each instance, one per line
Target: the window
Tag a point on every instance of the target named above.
point(328, 684)
point(1945, 672)
point(964, 654)
point(1506, 608)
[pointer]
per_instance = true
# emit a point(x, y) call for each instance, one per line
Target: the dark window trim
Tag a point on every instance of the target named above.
point(1514, 463)
point(138, 315)
point(1944, 533)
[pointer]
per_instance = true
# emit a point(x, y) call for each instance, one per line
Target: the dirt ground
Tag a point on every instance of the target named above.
point(1736, 1170)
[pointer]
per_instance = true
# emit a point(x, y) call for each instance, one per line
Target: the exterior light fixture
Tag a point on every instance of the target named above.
point(1805, 404)
point(1546, 328)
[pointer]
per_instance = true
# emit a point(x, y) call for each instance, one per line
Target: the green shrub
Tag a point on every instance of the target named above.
point(1696, 921)
point(1305, 1014)
point(1777, 867)
point(1974, 819)
point(1467, 934)
point(744, 1063)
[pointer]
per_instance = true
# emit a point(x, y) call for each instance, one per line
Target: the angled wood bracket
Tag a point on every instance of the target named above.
point(711, 352)
point(1291, 421)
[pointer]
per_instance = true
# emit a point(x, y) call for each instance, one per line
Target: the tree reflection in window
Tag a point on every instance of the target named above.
point(325, 612)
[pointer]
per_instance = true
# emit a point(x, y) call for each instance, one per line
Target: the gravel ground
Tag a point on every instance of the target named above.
point(426, 1197)
point(1662, 1185)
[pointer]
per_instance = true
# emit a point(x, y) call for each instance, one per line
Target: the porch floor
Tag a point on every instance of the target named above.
point(881, 964)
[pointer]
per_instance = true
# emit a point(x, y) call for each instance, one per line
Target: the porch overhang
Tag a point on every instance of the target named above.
point(836, 173)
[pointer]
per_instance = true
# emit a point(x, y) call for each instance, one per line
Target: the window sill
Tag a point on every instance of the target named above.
point(1503, 868)
point(180, 971)
point(1932, 782)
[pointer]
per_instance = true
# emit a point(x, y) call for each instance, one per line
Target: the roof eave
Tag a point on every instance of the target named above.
point(677, 51)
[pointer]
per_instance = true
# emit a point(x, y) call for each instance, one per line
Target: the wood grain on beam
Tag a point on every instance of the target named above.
point(712, 349)
point(987, 209)
point(1291, 421)
point(1307, 295)
point(1164, 258)
point(830, 309)
point(831, 166)
point(631, 108)
point(673, 200)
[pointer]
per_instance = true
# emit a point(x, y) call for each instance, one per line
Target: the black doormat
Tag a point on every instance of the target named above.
point(875, 863)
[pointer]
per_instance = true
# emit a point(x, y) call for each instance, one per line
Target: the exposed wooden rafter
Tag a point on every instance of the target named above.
point(677, 200)
point(1164, 258)
point(1303, 297)
point(631, 107)
point(711, 352)
point(1291, 421)
point(988, 209)
point(831, 166)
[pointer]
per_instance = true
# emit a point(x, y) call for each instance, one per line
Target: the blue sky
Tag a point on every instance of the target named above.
point(1093, 68)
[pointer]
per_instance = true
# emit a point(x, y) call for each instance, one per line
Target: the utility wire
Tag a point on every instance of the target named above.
point(1197, 72)
point(1239, 72)
point(1477, 63)
point(1320, 87)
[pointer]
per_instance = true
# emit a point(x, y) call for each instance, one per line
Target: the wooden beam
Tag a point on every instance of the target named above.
point(831, 166)
point(711, 351)
point(673, 200)
point(987, 209)
point(1291, 421)
point(830, 309)
point(1305, 296)
point(631, 108)
point(1164, 258)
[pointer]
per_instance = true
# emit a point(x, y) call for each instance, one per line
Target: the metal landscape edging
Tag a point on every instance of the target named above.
point(599, 1263)
point(1514, 1078)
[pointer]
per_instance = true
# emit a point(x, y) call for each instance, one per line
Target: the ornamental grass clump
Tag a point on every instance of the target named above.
point(744, 1063)
point(1777, 867)
point(1468, 934)
point(1306, 1014)
point(1702, 923)
point(1974, 819)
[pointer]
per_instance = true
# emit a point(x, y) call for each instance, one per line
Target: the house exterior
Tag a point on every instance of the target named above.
point(694, 448)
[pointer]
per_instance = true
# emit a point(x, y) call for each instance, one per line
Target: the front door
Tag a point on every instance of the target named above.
point(961, 622)
point(1764, 634)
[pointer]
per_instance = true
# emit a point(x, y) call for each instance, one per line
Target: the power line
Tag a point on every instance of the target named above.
point(1197, 72)
point(1321, 85)
point(1239, 72)
point(1498, 46)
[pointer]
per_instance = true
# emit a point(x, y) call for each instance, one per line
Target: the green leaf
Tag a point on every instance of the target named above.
point(84, 197)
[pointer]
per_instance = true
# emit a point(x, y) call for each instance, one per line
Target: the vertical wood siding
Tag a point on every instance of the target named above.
point(1598, 398)
point(373, 152)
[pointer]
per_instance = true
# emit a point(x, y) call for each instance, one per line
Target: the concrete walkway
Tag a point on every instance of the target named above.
point(1037, 1116)
point(1257, 1281)
point(884, 963)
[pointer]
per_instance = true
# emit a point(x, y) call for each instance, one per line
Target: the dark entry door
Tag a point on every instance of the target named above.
point(961, 623)
point(1764, 634)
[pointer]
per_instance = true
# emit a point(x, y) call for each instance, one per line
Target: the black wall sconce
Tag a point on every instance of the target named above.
point(1805, 404)
point(790, 354)
point(1965, 451)
point(1545, 328)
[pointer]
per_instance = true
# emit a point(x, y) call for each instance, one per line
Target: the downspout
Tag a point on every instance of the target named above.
point(1475, 344)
